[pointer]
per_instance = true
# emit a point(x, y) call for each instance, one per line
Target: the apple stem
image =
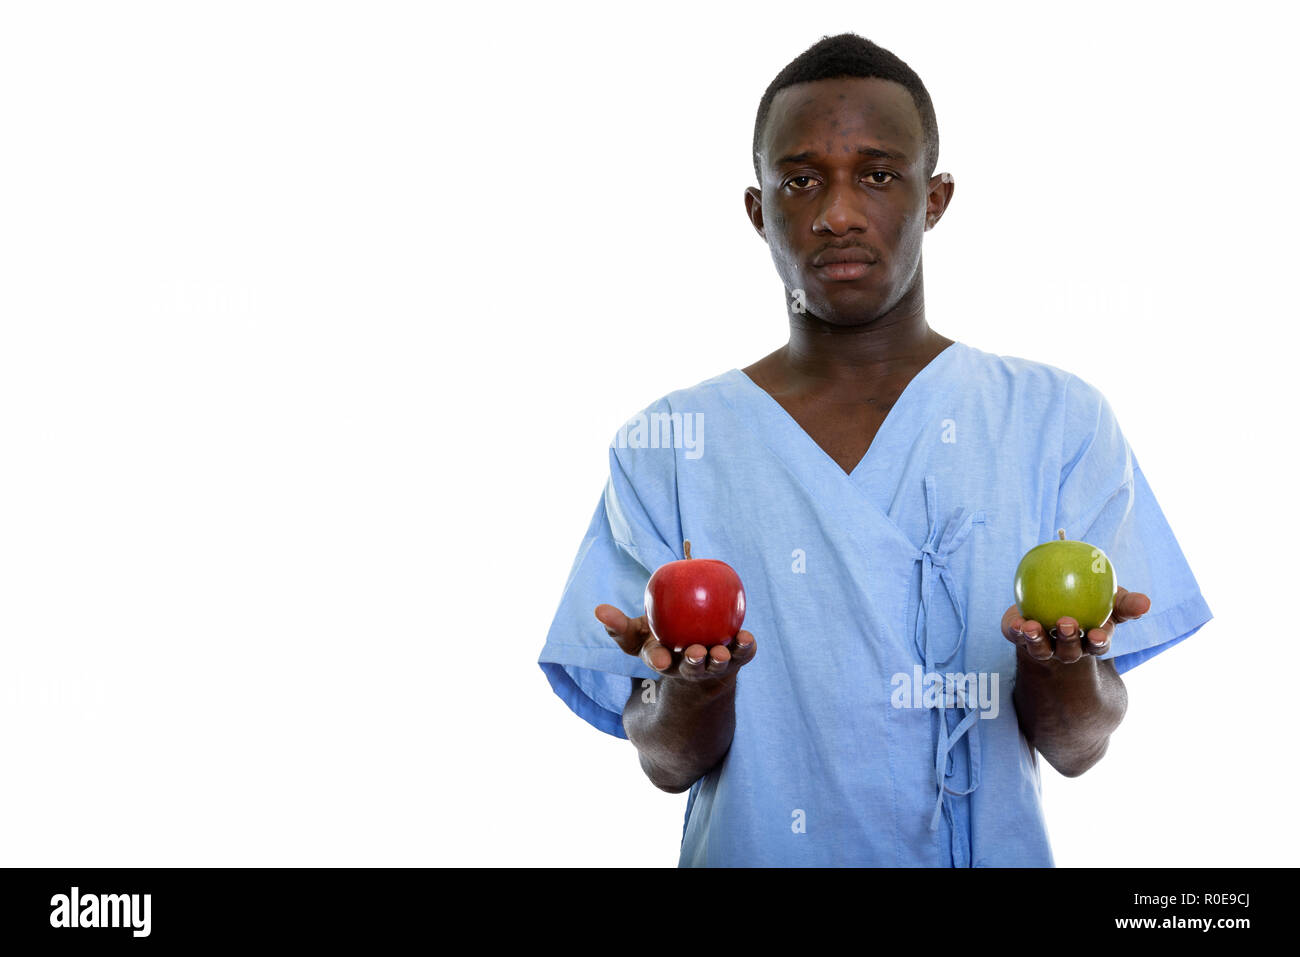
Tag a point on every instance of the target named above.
point(1061, 532)
point(686, 547)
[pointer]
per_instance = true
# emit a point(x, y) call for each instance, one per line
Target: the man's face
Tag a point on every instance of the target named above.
point(843, 164)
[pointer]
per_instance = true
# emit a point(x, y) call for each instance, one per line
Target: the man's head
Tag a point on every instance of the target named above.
point(850, 55)
point(845, 147)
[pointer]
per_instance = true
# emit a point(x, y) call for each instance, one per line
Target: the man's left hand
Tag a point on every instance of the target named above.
point(1064, 643)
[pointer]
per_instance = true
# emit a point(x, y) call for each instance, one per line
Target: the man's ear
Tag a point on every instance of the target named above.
point(940, 195)
point(754, 209)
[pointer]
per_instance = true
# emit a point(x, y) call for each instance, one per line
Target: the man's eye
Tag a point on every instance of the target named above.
point(795, 180)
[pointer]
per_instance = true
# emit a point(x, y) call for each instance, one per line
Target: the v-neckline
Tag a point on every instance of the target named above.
point(922, 374)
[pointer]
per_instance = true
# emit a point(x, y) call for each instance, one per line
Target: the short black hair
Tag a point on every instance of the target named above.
point(849, 55)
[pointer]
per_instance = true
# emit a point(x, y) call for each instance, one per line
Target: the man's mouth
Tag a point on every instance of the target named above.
point(843, 271)
point(843, 263)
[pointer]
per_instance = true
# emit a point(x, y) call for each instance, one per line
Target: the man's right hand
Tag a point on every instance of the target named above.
point(693, 663)
point(685, 729)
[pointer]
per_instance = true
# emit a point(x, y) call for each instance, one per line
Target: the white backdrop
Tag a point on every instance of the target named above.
point(318, 319)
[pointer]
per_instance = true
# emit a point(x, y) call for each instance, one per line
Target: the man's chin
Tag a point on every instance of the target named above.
point(837, 317)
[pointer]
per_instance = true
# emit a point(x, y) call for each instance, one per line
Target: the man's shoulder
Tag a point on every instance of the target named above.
point(705, 390)
point(1038, 381)
point(1015, 367)
point(675, 421)
point(692, 398)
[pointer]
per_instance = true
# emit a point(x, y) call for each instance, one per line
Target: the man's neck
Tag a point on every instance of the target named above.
point(839, 355)
point(850, 362)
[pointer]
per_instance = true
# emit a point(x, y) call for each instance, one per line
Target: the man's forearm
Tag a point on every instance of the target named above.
point(1068, 711)
point(683, 731)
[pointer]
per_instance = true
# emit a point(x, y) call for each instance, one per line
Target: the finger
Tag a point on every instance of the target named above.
point(1067, 635)
point(1104, 632)
point(1037, 646)
point(1098, 641)
point(719, 660)
point(1011, 623)
point(1130, 605)
point(743, 649)
point(692, 664)
point(656, 656)
point(630, 633)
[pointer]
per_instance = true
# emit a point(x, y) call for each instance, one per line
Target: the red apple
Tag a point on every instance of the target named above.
point(698, 601)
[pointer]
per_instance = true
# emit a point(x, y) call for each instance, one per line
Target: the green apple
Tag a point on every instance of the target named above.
point(1062, 578)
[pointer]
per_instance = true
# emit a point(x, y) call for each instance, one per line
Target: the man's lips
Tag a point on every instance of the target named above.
point(851, 255)
point(843, 265)
point(843, 272)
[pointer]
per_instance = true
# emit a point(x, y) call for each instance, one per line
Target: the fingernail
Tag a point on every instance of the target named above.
point(693, 661)
point(1017, 633)
point(1031, 636)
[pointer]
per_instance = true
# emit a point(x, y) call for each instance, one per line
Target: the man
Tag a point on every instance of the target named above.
point(870, 484)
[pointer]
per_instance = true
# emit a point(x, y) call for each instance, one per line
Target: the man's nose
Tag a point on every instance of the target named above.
point(842, 210)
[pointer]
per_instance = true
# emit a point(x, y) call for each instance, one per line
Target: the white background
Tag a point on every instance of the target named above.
point(318, 319)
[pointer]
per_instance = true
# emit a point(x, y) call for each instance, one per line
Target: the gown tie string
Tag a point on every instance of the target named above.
point(934, 555)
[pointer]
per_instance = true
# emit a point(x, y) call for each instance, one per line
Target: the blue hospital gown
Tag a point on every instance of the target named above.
point(875, 725)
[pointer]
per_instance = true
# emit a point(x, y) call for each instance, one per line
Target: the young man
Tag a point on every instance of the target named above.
point(872, 484)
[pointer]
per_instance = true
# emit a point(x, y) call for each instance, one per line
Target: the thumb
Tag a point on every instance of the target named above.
point(624, 630)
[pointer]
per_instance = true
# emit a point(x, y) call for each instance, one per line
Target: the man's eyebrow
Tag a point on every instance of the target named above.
point(872, 151)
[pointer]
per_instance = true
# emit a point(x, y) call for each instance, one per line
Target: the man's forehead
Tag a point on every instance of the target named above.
point(869, 109)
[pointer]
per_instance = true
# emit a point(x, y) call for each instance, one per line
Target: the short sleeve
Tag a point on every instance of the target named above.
point(1105, 500)
point(623, 546)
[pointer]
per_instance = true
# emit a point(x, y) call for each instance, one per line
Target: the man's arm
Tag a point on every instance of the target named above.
point(1068, 700)
point(681, 729)
point(1068, 711)
point(681, 724)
